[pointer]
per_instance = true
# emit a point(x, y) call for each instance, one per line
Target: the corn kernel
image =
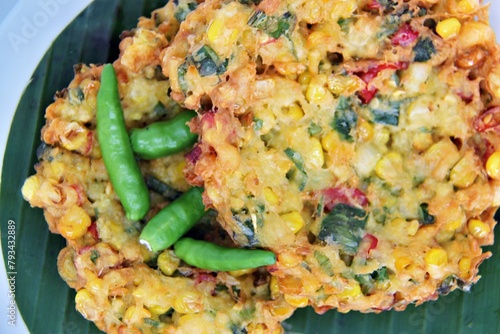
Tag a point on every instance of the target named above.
point(86, 304)
point(493, 166)
point(436, 257)
point(157, 309)
point(402, 262)
point(316, 93)
point(341, 84)
point(288, 259)
point(315, 156)
point(305, 78)
point(296, 301)
point(295, 112)
point(281, 311)
point(464, 265)
point(293, 220)
point(390, 166)
point(352, 290)
point(188, 302)
point(329, 142)
point(364, 130)
point(82, 297)
point(241, 272)
point(382, 137)
point(448, 28)
point(478, 229)
point(467, 6)
point(271, 197)
point(74, 223)
point(30, 187)
point(256, 328)
point(168, 262)
point(135, 314)
point(413, 227)
point(215, 30)
point(464, 172)
point(274, 287)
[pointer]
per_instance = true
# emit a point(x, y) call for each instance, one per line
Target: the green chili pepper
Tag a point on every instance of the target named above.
point(209, 256)
point(117, 154)
point(164, 229)
point(164, 138)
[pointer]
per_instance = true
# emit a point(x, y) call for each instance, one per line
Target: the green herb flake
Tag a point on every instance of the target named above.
point(387, 112)
point(152, 322)
point(184, 9)
point(424, 217)
point(257, 124)
point(314, 129)
point(345, 23)
point(345, 119)
point(272, 25)
point(368, 281)
point(423, 50)
point(344, 226)
point(94, 255)
point(324, 262)
point(297, 174)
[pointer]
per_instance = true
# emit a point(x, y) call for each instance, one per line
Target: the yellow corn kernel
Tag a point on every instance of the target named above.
point(436, 257)
point(274, 287)
point(281, 311)
point(464, 172)
point(288, 259)
point(343, 84)
point(422, 141)
point(293, 220)
point(382, 137)
point(330, 141)
point(135, 314)
point(254, 328)
point(157, 309)
point(467, 6)
point(30, 187)
point(295, 112)
point(317, 38)
point(402, 263)
point(296, 301)
point(413, 227)
point(215, 30)
point(364, 130)
point(315, 155)
point(168, 262)
point(188, 302)
point(448, 28)
point(241, 272)
point(352, 290)
point(390, 166)
point(271, 196)
point(493, 166)
point(316, 93)
point(453, 225)
point(304, 78)
point(464, 265)
point(82, 298)
point(478, 229)
point(74, 223)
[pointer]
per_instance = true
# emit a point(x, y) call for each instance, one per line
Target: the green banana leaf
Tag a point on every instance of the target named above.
point(44, 300)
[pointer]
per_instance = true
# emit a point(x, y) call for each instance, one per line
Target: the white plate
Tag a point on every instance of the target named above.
point(27, 29)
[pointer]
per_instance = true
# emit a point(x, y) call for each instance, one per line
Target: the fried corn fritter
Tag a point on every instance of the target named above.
point(356, 139)
point(121, 286)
